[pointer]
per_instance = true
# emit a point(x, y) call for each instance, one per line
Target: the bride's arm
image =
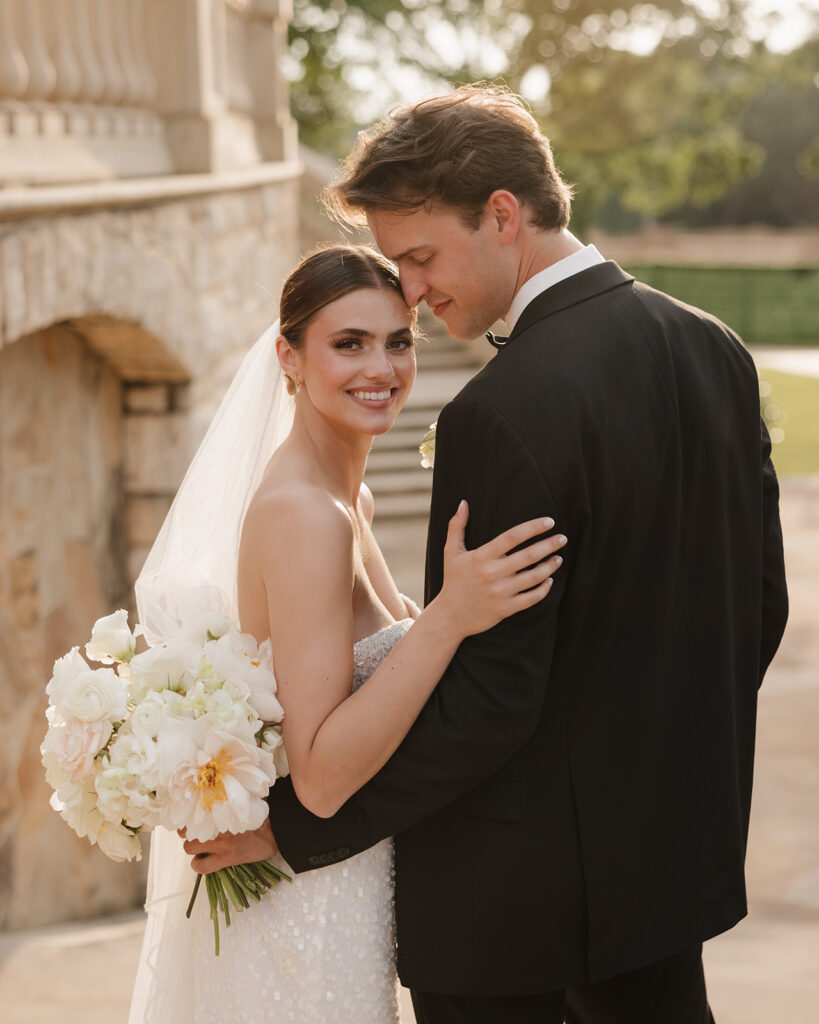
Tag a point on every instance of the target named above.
point(336, 741)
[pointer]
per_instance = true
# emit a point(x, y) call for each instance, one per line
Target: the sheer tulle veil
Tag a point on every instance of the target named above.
point(192, 568)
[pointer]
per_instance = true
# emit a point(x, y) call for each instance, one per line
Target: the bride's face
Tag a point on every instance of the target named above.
point(357, 361)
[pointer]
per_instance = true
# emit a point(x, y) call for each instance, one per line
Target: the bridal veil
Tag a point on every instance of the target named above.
point(192, 568)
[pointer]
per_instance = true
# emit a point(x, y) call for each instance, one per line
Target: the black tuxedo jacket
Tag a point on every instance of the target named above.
point(573, 801)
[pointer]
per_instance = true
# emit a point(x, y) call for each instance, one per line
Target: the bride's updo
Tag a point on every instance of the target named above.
point(327, 274)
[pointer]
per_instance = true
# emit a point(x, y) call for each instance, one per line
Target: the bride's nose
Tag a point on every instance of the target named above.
point(379, 366)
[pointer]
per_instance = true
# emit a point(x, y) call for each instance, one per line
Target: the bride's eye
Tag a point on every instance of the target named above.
point(401, 344)
point(346, 343)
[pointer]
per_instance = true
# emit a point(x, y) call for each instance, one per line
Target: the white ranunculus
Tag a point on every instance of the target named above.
point(111, 639)
point(163, 668)
point(78, 691)
point(95, 695)
point(214, 782)
point(118, 842)
point(148, 717)
point(73, 745)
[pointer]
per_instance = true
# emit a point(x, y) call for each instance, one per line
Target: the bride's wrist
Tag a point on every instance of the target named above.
point(444, 620)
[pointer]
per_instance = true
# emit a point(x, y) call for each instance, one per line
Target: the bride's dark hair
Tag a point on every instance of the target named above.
point(327, 274)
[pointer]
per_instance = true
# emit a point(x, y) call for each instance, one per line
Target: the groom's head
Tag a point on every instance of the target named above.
point(452, 188)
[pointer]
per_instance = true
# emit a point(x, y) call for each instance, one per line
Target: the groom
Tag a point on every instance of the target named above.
point(571, 806)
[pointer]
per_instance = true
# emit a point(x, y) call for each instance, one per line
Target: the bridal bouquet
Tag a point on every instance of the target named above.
point(184, 735)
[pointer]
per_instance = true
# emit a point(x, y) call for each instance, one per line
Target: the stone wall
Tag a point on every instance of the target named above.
point(120, 327)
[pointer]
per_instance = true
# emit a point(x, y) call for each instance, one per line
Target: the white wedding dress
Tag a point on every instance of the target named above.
point(317, 950)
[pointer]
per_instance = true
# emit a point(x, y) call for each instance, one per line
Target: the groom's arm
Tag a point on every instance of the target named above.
point(489, 701)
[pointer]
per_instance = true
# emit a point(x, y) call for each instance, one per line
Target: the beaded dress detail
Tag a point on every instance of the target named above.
point(319, 949)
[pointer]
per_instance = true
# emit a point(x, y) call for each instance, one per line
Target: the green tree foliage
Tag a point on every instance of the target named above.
point(647, 104)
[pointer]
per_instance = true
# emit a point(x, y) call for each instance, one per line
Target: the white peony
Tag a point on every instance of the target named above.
point(111, 639)
point(70, 747)
point(249, 670)
point(213, 781)
point(78, 691)
point(118, 842)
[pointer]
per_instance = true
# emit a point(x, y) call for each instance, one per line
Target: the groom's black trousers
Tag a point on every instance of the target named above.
point(670, 991)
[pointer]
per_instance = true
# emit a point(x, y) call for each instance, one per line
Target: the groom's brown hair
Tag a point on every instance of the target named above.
point(456, 150)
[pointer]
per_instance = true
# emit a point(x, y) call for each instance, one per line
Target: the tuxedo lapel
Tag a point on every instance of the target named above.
point(571, 291)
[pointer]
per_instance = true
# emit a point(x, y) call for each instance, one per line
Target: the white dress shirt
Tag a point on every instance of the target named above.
point(584, 258)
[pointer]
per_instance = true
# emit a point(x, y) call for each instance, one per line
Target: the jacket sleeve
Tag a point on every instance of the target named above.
point(774, 589)
point(489, 700)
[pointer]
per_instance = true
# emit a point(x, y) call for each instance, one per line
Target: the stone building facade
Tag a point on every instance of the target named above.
point(148, 215)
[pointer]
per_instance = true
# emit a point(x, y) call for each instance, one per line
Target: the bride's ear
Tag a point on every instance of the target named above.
point(287, 357)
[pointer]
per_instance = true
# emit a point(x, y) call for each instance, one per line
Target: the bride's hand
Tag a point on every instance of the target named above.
point(229, 849)
point(484, 586)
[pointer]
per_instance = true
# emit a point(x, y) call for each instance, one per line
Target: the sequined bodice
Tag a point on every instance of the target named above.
point(319, 949)
point(372, 650)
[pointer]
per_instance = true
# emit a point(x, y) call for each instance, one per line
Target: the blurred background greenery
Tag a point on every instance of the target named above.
point(681, 115)
point(697, 112)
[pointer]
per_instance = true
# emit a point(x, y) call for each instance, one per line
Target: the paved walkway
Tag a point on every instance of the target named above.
point(763, 971)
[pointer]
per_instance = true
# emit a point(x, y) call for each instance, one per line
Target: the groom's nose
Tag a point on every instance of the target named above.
point(413, 286)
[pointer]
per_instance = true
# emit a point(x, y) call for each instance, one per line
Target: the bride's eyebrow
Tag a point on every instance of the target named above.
point(357, 332)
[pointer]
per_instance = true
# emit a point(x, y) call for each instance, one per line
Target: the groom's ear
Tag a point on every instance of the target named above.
point(504, 210)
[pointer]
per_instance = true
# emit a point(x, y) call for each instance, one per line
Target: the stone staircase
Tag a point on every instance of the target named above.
point(400, 484)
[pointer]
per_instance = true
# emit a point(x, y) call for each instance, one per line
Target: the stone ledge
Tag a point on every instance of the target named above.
point(26, 202)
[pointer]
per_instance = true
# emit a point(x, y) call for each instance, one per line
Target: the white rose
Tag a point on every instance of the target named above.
point(214, 782)
point(74, 745)
point(111, 639)
point(163, 668)
point(118, 842)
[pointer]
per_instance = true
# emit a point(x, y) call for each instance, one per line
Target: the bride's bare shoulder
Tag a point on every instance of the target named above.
point(294, 512)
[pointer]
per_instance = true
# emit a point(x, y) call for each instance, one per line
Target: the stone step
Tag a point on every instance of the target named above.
point(401, 506)
point(400, 481)
point(393, 459)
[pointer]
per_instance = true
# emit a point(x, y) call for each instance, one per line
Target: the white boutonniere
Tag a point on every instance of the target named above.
point(427, 447)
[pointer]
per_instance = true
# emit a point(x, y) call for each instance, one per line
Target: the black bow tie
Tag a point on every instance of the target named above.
point(495, 341)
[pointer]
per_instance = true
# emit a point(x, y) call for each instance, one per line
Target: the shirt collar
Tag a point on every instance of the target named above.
point(584, 258)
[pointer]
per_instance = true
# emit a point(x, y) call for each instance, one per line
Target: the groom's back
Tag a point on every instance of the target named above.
point(642, 416)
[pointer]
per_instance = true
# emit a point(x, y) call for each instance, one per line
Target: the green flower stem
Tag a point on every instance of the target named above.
point(214, 914)
point(237, 885)
point(194, 894)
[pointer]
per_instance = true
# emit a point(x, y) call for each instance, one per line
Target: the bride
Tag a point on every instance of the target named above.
point(355, 660)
